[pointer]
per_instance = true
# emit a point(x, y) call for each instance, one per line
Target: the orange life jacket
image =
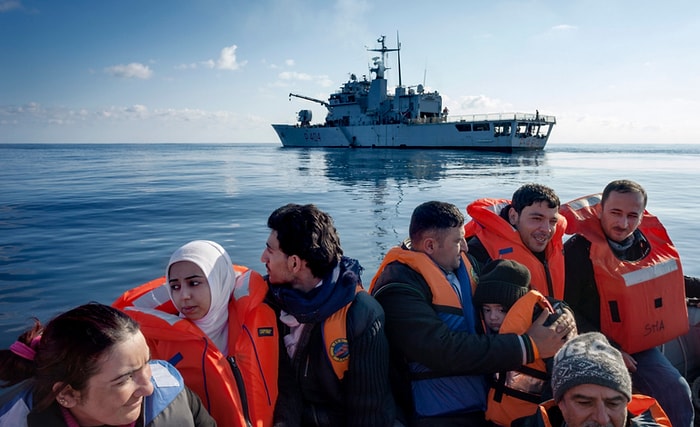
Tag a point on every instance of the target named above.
point(639, 405)
point(431, 390)
point(443, 294)
point(236, 387)
point(518, 393)
point(642, 303)
point(501, 240)
point(335, 338)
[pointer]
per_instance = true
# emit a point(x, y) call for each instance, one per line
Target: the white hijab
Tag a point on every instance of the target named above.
point(217, 266)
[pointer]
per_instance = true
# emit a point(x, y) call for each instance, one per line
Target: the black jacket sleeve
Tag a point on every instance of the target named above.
point(478, 252)
point(692, 287)
point(368, 393)
point(289, 405)
point(416, 332)
point(580, 290)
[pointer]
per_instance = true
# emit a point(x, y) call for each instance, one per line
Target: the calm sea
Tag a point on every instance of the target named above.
point(82, 222)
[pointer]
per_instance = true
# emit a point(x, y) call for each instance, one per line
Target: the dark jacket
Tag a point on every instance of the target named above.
point(417, 334)
point(310, 392)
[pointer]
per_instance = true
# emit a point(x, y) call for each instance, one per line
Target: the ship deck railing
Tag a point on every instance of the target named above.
point(490, 117)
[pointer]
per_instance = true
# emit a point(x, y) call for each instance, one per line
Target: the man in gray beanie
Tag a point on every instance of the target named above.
point(592, 387)
point(590, 359)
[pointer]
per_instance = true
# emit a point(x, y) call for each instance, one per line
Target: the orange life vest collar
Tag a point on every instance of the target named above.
point(642, 302)
point(514, 393)
point(440, 287)
point(501, 240)
point(639, 405)
point(335, 338)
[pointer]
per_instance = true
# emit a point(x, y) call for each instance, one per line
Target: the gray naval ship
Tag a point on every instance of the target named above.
point(362, 114)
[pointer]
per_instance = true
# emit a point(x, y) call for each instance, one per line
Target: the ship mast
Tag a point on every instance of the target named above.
point(383, 50)
point(398, 55)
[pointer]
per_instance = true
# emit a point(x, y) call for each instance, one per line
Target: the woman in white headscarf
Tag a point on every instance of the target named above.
point(200, 281)
point(204, 332)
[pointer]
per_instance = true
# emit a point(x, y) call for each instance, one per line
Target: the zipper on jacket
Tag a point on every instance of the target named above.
point(241, 388)
point(306, 367)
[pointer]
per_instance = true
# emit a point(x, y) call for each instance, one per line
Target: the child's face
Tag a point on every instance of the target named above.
point(493, 316)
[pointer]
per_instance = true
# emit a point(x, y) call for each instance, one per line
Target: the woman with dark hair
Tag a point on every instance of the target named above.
point(90, 366)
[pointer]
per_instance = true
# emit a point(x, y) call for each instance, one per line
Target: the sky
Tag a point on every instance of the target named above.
point(221, 71)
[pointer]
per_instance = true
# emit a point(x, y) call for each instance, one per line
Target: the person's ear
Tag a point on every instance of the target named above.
point(67, 397)
point(294, 263)
point(512, 216)
point(429, 245)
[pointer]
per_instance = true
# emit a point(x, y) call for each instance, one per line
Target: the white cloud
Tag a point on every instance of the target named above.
point(289, 62)
point(223, 63)
point(227, 59)
point(564, 27)
point(190, 66)
point(8, 5)
point(481, 104)
point(137, 109)
point(130, 71)
point(293, 75)
point(38, 123)
point(324, 81)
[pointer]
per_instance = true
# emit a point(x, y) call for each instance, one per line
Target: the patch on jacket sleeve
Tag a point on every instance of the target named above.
point(339, 350)
point(266, 332)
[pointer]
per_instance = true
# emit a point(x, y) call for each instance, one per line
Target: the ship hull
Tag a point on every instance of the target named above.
point(427, 135)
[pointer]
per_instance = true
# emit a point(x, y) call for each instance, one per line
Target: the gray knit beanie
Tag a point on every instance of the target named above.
point(589, 359)
point(502, 281)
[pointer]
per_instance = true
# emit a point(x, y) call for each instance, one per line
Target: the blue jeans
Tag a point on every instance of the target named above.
point(658, 378)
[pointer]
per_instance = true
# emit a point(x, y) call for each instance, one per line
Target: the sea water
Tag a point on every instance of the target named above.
point(85, 222)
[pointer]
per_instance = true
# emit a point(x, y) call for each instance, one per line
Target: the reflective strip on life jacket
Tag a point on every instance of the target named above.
point(650, 273)
point(642, 302)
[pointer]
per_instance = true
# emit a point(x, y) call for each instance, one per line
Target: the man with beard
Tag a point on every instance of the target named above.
point(334, 356)
point(439, 353)
point(624, 279)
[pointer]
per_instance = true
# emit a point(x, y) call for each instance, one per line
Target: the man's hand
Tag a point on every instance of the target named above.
point(629, 361)
point(571, 320)
point(549, 339)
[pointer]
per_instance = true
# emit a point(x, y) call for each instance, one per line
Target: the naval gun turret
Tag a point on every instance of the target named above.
point(304, 118)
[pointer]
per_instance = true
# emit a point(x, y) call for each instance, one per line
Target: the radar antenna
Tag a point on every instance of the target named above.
point(383, 50)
